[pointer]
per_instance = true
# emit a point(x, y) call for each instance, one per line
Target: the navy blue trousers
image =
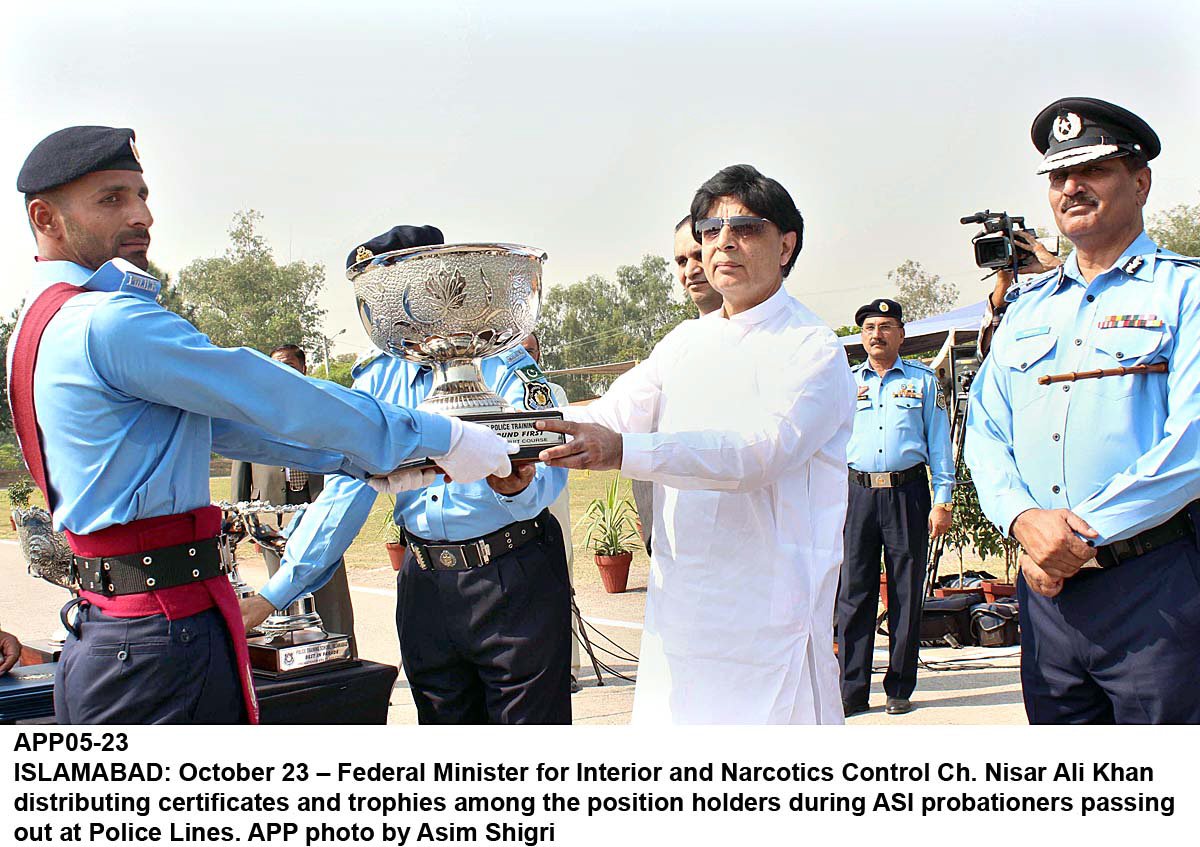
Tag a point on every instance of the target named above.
point(148, 670)
point(894, 522)
point(491, 645)
point(1116, 646)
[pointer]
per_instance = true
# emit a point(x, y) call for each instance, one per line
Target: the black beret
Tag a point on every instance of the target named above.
point(396, 238)
point(74, 152)
point(1075, 130)
point(882, 307)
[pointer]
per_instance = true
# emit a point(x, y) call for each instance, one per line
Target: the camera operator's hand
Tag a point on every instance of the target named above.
point(1042, 261)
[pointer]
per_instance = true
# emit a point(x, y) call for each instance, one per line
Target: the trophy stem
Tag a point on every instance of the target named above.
point(459, 389)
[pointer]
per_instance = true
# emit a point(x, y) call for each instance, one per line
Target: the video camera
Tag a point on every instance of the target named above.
point(994, 245)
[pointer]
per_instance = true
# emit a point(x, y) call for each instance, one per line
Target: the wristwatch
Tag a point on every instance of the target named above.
point(949, 507)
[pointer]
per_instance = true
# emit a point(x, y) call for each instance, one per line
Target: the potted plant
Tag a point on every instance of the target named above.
point(972, 529)
point(393, 537)
point(612, 532)
point(18, 497)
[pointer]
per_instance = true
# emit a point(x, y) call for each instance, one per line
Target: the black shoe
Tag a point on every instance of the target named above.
point(575, 686)
point(898, 706)
point(850, 709)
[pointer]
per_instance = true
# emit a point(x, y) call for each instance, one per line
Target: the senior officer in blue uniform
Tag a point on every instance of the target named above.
point(900, 427)
point(488, 642)
point(1098, 478)
point(119, 403)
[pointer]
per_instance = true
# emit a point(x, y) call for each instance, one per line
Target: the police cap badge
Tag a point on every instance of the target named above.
point(1076, 130)
point(77, 151)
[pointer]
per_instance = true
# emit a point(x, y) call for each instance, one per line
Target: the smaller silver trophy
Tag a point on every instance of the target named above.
point(292, 641)
point(48, 557)
point(448, 306)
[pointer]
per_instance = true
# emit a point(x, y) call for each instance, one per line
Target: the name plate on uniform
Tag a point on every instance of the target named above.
point(301, 651)
point(515, 428)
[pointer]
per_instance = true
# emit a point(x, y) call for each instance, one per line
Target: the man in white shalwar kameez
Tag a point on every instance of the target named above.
point(740, 419)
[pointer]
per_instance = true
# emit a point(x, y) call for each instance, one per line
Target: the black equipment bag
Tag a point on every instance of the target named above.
point(946, 621)
point(996, 624)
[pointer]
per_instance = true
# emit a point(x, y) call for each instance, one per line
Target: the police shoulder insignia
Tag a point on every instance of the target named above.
point(941, 398)
point(514, 355)
point(538, 396)
point(1191, 261)
point(529, 373)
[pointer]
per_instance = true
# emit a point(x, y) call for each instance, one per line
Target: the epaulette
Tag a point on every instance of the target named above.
point(513, 355)
point(917, 363)
point(362, 361)
point(859, 366)
point(1036, 282)
point(1175, 258)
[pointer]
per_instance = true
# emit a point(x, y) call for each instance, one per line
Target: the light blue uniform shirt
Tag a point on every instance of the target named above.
point(443, 511)
point(900, 422)
point(1122, 452)
point(131, 400)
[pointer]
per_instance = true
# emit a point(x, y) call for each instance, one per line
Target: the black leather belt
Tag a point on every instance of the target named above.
point(1112, 555)
point(154, 570)
point(887, 479)
point(476, 552)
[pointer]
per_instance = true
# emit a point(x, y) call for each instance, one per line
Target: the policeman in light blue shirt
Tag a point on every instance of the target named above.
point(121, 402)
point(1084, 439)
point(900, 427)
point(483, 640)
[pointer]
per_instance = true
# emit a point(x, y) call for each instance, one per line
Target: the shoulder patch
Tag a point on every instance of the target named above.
point(530, 373)
point(538, 396)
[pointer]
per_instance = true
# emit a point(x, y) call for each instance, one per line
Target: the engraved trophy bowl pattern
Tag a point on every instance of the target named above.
point(448, 306)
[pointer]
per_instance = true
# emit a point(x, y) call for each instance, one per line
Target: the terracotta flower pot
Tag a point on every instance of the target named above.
point(614, 571)
point(992, 590)
point(396, 551)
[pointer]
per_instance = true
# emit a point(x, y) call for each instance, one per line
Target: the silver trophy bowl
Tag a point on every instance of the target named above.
point(448, 306)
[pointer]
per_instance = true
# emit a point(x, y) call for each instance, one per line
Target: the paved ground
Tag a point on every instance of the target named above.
point(969, 686)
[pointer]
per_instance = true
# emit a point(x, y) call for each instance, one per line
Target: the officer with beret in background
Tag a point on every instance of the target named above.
point(117, 404)
point(1083, 438)
point(900, 427)
point(482, 640)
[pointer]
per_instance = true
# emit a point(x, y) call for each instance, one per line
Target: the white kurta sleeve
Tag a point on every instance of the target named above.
point(805, 412)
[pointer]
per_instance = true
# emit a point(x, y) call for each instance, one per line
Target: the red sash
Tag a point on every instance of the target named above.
point(134, 537)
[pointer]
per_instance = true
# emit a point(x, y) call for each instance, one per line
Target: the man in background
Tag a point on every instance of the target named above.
point(283, 486)
point(689, 270)
point(900, 428)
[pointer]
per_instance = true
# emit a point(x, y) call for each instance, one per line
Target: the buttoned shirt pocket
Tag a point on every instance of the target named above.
point(1123, 346)
point(865, 404)
point(1026, 359)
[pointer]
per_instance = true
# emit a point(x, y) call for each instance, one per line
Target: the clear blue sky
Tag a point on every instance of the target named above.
point(584, 129)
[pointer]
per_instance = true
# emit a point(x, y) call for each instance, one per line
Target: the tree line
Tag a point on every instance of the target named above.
point(246, 298)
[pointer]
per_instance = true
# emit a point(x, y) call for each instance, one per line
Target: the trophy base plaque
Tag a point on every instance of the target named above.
point(514, 427)
point(299, 652)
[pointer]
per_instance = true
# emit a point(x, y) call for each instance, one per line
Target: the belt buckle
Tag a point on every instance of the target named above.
point(881, 480)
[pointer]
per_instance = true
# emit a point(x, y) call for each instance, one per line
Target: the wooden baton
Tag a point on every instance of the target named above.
point(1156, 368)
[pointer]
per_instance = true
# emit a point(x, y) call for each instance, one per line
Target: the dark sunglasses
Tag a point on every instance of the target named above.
point(743, 226)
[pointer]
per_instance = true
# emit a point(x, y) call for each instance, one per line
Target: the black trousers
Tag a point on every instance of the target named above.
point(490, 645)
point(1116, 646)
point(894, 522)
point(148, 670)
